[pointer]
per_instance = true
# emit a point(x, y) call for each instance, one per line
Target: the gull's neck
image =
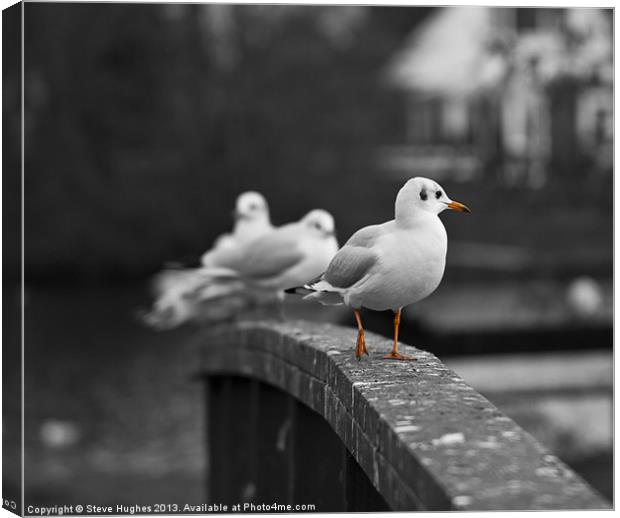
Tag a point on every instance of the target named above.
point(407, 215)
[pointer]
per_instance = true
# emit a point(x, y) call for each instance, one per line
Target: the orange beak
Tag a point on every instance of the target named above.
point(455, 205)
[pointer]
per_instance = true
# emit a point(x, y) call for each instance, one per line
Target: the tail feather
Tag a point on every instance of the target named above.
point(321, 291)
point(193, 294)
point(300, 290)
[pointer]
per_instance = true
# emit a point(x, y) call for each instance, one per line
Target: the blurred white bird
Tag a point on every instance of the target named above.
point(173, 287)
point(247, 274)
point(251, 222)
point(278, 260)
point(391, 265)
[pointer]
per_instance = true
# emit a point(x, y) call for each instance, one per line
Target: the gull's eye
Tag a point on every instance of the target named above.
point(438, 194)
point(317, 225)
point(423, 195)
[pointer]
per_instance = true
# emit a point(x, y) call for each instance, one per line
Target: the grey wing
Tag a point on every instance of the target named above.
point(270, 256)
point(224, 256)
point(349, 266)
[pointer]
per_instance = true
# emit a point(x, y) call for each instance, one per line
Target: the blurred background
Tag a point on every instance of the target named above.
point(144, 122)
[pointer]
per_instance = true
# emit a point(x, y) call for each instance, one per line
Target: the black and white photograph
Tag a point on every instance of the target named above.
point(307, 258)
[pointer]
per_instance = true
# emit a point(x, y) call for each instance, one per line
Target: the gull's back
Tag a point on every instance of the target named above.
point(230, 248)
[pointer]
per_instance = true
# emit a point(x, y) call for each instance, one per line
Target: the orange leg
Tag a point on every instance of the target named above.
point(394, 354)
point(360, 347)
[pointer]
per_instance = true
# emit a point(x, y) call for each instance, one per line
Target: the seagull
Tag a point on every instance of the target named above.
point(251, 222)
point(391, 265)
point(248, 274)
point(173, 287)
point(284, 257)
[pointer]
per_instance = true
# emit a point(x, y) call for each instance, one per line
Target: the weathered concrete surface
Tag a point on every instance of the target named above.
point(424, 437)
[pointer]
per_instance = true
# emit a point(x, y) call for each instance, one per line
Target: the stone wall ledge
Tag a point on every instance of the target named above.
point(425, 438)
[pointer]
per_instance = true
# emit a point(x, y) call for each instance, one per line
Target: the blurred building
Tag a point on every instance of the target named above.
point(506, 91)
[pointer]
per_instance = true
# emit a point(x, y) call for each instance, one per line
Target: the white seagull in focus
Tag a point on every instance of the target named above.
point(391, 265)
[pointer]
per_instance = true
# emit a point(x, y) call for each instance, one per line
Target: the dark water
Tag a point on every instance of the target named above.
point(113, 414)
point(124, 393)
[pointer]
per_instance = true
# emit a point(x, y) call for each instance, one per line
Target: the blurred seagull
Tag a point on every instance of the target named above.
point(173, 287)
point(247, 274)
point(281, 258)
point(251, 222)
point(391, 265)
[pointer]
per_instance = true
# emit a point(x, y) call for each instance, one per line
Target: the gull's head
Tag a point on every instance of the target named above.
point(251, 205)
point(319, 222)
point(424, 194)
